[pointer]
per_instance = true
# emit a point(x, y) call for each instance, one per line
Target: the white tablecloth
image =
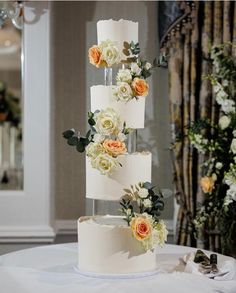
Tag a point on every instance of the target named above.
point(48, 269)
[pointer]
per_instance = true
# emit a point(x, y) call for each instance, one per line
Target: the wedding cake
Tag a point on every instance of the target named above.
point(118, 244)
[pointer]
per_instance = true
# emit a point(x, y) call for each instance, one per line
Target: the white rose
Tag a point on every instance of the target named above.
point(224, 122)
point(147, 203)
point(135, 68)
point(122, 136)
point(143, 193)
point(105, 164)
point(123, 92)
point(233, 146)
point(108, 122)
point(94, 149)
point(234, 133)
point(124, 75)
point(98, 137)
point(148, 66)
point(219, 165)
point(110, 52)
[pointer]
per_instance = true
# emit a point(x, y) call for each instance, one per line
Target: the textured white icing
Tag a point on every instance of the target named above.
point(132, 112)
point(118, 31)
point(135, 168)
point(111, 249)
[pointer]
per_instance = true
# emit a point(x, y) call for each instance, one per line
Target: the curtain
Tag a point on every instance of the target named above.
point(207, 23)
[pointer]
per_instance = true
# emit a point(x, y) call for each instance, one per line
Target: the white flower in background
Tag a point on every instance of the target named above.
point(227, 200)
point(225, 82)
point(232, 191)
point(105, 164)
point(123, 92)
point(143, 193)
point(233, 146)
point(230, 179)
point(234, 133)
point(224, 122)
point(98, 137)
point(94, 149)
point(217, 87)
point(148, 66)
point(124, 75)
point(221, 96)
point(147, 203)
point(121, 136)
point(228, 106)
point(219, 165)
point(110, 52)
point(108, 122)
point(135, 69)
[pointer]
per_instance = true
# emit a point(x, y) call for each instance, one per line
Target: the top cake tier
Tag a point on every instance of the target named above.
point(119, 31)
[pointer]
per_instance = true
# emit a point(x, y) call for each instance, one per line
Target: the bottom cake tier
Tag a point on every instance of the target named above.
point(107, 246)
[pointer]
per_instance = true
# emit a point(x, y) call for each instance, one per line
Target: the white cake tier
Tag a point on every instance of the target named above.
point(132, 112)
point(118, 31)
point(106, 246)
point(135, 168)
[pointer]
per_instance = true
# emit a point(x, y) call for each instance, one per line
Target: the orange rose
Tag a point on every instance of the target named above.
point(114, 147)
point(95, 54)
point(207, 184)
point(141, 228)
point(140, 87)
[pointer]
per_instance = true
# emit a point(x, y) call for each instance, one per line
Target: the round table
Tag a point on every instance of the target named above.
point(51, 268)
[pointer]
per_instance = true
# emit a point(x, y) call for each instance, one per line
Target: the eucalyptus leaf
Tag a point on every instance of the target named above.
point(80, 147)
point(73, 140)
point(68, 133)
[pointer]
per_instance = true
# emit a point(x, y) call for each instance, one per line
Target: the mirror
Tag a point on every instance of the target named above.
point(11, 151)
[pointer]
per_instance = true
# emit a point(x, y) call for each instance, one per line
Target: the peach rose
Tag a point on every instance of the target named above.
point(207, 184)
point(140, 87)
point(141, 228)
point(95, 54)
point(114, 147)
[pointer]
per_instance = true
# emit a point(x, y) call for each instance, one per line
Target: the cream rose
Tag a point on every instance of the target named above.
point(123, 92)
point(224, 122)
point(95, 56)
point(124, 75)
point(143, 193)
point(110, 53)
point(160, 233)
point(207, 184)
point(105, 164)
point(94, 149)
point(140, 87)
point(141, 227)
point(147, 203)
point(114, 147)
point(108, 122)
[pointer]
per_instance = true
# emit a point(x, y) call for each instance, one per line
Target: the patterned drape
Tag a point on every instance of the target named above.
point(188, 44)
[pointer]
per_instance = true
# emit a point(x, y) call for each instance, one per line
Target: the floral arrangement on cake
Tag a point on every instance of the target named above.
point(218, 144)
point(142, 206)
point(104, 142)
point(130, 80)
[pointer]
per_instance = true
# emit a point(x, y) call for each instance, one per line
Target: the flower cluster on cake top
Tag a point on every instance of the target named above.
point(104, 142)
point(141, 206)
